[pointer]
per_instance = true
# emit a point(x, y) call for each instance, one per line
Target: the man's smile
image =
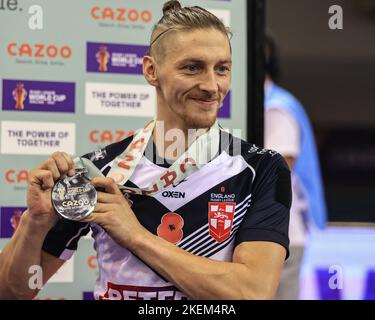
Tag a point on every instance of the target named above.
point(205, 103)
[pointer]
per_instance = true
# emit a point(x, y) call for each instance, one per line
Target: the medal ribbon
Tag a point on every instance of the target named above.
point(201, 151)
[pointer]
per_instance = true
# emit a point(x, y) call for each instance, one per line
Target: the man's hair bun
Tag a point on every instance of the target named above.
point(172, 5)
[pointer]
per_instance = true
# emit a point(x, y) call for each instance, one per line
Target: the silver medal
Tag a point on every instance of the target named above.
point(74, 198)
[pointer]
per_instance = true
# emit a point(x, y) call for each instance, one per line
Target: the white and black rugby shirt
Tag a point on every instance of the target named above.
point(243, 194)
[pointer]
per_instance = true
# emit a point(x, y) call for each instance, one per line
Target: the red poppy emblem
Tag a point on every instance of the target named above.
point(170, 227)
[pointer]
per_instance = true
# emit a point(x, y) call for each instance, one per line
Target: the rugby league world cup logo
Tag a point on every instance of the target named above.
point(19, 94)
point(102, 57)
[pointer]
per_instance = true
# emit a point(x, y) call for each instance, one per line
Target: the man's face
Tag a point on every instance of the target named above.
point(194, 75)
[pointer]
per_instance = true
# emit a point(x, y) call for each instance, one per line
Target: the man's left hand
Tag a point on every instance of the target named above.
point(113, 213)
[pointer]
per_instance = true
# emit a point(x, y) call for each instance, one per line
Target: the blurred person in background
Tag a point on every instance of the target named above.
point(288, 131)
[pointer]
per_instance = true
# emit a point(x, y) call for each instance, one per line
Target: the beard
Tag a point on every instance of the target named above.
point(194, 118)
point(200, 121)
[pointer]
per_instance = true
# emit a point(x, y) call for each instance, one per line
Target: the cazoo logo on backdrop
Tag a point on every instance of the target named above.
point(108, 136)
point(14, 176)
point(47, 54)
point(121, 17)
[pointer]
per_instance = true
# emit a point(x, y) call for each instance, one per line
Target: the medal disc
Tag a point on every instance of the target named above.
point(74, 198)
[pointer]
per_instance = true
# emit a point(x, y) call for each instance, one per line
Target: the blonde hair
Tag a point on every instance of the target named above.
point(176, 17)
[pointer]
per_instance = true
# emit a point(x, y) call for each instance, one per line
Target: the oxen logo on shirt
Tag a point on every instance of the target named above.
point(220, 219)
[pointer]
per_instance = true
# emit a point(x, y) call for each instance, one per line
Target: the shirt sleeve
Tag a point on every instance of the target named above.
point(267, 218)
point(62, 240)
point(281, 132)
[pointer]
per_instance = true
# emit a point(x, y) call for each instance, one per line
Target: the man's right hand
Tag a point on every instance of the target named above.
point(41, 182)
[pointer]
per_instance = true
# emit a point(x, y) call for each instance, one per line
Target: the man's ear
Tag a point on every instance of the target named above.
point(149, 70)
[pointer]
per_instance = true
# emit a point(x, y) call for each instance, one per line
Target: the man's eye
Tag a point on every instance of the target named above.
point(223, 69)
point(191, 68)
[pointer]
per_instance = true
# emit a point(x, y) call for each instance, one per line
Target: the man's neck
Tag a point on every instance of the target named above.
point(173, 139)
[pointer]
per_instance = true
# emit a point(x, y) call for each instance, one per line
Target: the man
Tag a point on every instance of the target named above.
point(219, 232)
point(288, 130)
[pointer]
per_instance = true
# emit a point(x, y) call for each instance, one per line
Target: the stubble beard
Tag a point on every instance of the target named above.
point(200, 121)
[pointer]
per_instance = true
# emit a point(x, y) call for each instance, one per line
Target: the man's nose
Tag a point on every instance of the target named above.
point(209, 82)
